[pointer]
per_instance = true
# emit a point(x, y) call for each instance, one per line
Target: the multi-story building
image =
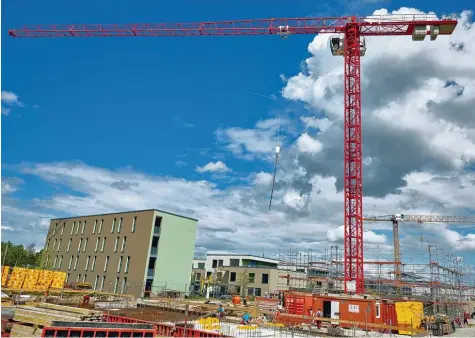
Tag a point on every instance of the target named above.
point(129, 252)
point(249, 275)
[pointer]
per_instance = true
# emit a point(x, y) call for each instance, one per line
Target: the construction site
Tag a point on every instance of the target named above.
point(330, 291)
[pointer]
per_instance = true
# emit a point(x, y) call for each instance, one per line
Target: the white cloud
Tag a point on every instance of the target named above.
point(10, 99)
point(369, 237)
point(294, 200)
point(308, 144)
point(215, 167)
point(312, 122)
point(263, 178)
point(257, 142)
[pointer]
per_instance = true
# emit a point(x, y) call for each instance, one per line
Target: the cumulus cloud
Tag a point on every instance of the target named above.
point(10, 99)
point(252, 143)
point(308, 144)
point(262, 178)
point(370, 237)
point(214, 167)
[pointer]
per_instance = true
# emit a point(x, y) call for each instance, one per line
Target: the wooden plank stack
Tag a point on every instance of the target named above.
point(58, 280)
point(16, 278)
point(31, 279)
point(5, 272)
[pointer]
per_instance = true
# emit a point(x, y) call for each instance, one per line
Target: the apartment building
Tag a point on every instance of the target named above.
point(126, 252)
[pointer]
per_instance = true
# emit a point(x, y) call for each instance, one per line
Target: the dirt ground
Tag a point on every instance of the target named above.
point(152, 315)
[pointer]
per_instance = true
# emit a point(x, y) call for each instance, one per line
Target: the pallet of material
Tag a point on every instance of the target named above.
point(5, 273)
point(81, 311)
point(16, 278)
point(44, 316)
point(20, 330)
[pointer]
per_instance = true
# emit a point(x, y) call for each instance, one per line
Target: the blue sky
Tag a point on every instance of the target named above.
point(156, 107)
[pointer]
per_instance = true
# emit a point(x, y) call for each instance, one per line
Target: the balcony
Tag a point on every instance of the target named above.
point(153, 252)
point(150, 273)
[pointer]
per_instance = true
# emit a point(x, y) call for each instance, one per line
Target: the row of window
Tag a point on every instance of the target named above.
point(90, 263)
point(83, 243)
point(252, 277)
point(97, 226)
point(100, 283)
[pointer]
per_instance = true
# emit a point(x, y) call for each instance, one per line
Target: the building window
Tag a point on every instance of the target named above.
point(62, 229)
point(103, 281)
point(54, 229)
point(54, 244)
point(87, 262)
point(94, 227)
point(220, 263)
point(124, 243)
point(95, 282)
point(116, 245)
point(85, 245)
point(79, 277)
point(83, 227)
point(265, 278)
point(103, 244)
point(79, 246)
point(113, 226)
point(106, 263)
point(232, 277)
point(252, 277)
point(60, 262)
point(77, 227)
point(59, 244)
point(69, 244)
point(127, 262)
point(93, 265)
point(54, 264)
point(100, 226)
point(116, 284)
point(47, 244)
point(67, 277)
point(119, 226)
point(46, 262)
point(76, 263)
point(119, 266)
point(72, 227)
point(124, 285)
point(70, 262)
point(378, 310)
point(198, 276)
point(234, 262)
point(134, 222)
point(97, 243)
point(84, 279)
point(201, 265)
point(215, 263)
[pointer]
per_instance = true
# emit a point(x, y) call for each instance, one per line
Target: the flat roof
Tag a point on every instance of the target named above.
point(125, 212)
point(244, 255)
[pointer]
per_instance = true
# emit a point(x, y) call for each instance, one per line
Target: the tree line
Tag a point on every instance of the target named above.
point(21, 256)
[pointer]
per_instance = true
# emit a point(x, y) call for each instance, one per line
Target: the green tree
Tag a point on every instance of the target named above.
point(18, 255)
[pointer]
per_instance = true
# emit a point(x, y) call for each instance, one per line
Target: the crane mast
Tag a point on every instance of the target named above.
point(349, 42)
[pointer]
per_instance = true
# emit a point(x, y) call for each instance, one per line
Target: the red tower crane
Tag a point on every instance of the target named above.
point(349, 43)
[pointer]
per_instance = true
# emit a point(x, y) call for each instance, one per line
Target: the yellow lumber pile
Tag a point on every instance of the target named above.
point(5, 272)
point(44, 314)
point(31, 279)
point(58, 279)
point(45, 279)
point(19, 330)
point(17, 277)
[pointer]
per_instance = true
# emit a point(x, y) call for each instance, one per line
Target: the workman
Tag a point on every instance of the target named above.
point(246, 318)
point(220, 311)
point(319, 322)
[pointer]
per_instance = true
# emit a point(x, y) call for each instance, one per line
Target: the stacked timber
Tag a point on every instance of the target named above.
point(45, 279)
point(44, 314)
point(22, 330)
point(5, 272)
point(31, 279)
point(16, 278)
point(58, 280)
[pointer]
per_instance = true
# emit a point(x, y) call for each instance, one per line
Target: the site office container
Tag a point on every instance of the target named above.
point(378, 311)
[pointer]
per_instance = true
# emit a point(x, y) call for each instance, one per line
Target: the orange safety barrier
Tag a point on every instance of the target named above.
point(79, 332)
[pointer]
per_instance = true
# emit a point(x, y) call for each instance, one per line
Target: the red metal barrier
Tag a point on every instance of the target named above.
point(58, 331)
point(163, 329)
